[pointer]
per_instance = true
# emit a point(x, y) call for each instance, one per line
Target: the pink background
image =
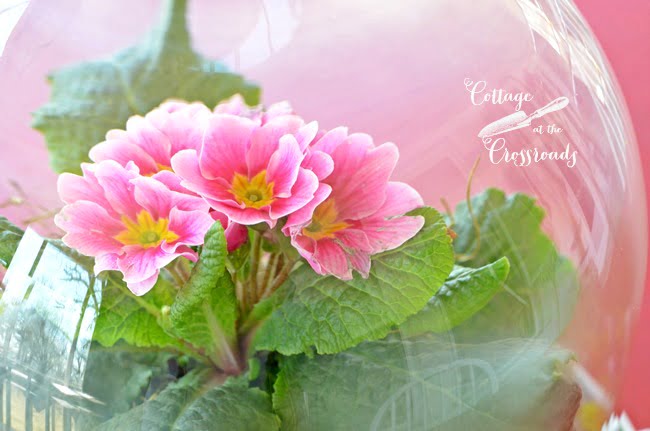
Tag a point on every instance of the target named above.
point(623, 32)
point(623, 29)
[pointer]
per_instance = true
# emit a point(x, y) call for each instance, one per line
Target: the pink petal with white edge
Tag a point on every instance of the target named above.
point(190, 226)
point(301, 194)
point(319, 163)
point(306, 135)
point(361, 262)
point(330, 140)
point(265, 141)
point(118, 189)
point(245, 216)
point(86, 216)
point(275, 110)
point(387, 234)
point(171, 180)
point(106, 262)
point(400, 199)
point(332, 259)
point(123, 152)
point(236, 105)
point(354, 239)
point(225, 143)
point(364, 193)
point(153, 196)
point(72, 188)
point(90, 229)
point(283, 166)
point(302, 216)
point(186, 166)
point(150, 139)
point(182, 251)
point(91, 244)
point(138, 264)
point(183, 126)
point(182, 198)
point(144, 286)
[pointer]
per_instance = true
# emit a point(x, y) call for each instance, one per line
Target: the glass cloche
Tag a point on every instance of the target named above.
point(333, 215)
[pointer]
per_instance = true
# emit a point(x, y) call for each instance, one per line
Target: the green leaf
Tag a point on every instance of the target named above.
point(192, 404)
point(205, 311)
point(542, 287)
point(135, 319)
point(465, 292)
point(333, 315)
point(120, 378)
point(10, 236)
point(88, 99)
point(427, 383)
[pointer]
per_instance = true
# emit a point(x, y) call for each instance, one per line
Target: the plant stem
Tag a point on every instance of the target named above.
point(176, 276)
point(269, 274)
point(280, 279)
point(256, 249)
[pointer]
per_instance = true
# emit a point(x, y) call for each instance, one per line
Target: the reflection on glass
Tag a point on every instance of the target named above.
point(48, 309)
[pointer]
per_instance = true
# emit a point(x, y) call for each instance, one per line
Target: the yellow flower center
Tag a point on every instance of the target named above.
point(254, 192)
point(324, 223)
point(145, 231)
point(160, 167)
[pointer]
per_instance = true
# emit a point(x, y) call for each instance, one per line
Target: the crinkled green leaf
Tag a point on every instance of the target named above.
point(333, 315)
point(136, 320)
point(193, 403)
point(465, 292)
point(205, 311)
point(427, 383)
point(10, 236)
point(88, 99)
point(542, 287)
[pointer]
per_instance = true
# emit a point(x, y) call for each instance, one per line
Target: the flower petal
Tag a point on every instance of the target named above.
point(90, 229)
point(118, 189)
point(301, 194)
point(319, 163)
point(224, 147)
point(74, 188)
point(153, 196)
point(330, 140)
point(106, 262)
point(141, 287)
point(303, 215)
point(122, 152)
point(138, 264)
point(150, 139)
point(190, 226)
point(265, 141)
point(186, 165)
point(362, 194)
point(284, 165)
point(332, 259)
point(400, 199)
point(387, 234)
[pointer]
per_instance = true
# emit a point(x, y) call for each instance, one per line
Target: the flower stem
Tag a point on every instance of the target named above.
point(470, 210)
point(269, 274)
point(256, 249)
point(280, 279)
point(178, 279)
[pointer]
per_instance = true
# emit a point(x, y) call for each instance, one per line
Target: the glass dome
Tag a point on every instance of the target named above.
point(507, 119)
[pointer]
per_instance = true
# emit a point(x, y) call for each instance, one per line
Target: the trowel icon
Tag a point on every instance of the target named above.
point(520, 120)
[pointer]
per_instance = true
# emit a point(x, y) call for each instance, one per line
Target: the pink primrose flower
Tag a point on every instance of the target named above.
point(252, 169)
point(357, 211)
point(128, 222)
